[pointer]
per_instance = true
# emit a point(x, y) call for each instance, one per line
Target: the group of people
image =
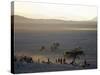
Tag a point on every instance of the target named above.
point(57, 61)
point(60, 60)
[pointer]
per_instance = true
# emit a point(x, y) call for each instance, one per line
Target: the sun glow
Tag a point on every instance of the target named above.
point(54, 11)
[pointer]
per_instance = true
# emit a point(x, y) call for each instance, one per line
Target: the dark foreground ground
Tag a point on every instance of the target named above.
point(35, 67)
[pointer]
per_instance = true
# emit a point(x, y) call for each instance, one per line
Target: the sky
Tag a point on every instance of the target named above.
point(54, 11)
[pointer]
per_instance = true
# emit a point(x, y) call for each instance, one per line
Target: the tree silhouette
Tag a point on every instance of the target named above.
point(75, 54)
point(42, 48)
point(54, 46)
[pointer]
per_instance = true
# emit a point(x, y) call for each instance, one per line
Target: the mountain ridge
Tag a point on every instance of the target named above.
point(23, 23)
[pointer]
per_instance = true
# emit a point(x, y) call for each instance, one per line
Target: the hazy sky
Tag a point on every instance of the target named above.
point(54, 11)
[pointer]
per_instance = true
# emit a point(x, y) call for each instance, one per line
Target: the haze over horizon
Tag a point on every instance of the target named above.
point(23, 24)
point(55, 11)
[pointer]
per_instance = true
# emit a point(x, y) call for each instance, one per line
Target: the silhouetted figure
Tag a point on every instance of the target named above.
point(64, 60)
point(61, 61)
point(56, 61)
point(48, 61)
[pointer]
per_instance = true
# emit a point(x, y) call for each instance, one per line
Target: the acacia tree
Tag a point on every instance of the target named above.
point(75, 54)
point(54, 46)
point(42, 48)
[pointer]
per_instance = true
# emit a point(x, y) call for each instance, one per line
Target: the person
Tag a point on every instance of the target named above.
point(48, 61)
point(63, 60)
point(56, 60)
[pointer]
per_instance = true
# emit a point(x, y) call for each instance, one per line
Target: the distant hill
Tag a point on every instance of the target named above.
point(27, 24)
point(94, 19)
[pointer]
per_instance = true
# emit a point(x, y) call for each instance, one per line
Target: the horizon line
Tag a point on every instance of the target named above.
point(55, 19)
